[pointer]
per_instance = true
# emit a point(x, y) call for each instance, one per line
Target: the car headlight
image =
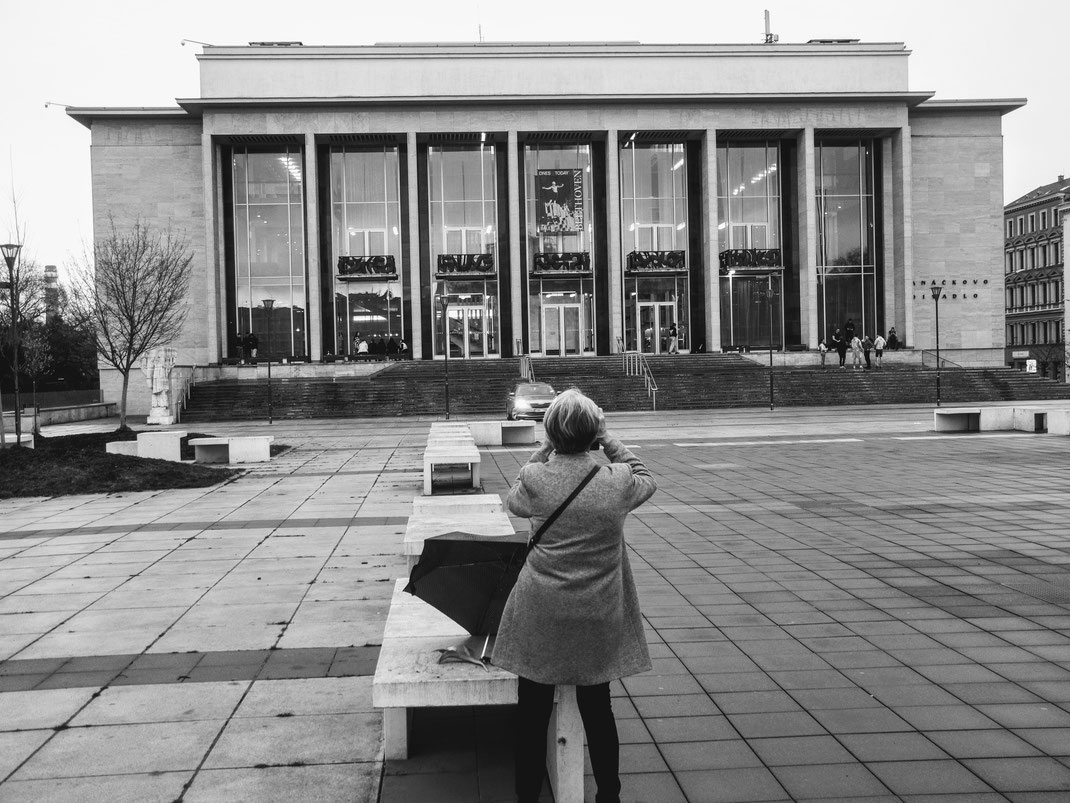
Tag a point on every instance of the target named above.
point(523, 404)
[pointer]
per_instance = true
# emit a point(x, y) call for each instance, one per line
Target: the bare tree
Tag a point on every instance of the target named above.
point(22, 303)
point(133, 294)
point(36, 361)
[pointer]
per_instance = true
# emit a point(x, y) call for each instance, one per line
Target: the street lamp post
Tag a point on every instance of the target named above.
point(11, 253)
point(937, 291)
point(769, 296)
point(269, 304)
point(446, 338)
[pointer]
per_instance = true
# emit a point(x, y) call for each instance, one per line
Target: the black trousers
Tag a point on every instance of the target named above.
point(535, 702)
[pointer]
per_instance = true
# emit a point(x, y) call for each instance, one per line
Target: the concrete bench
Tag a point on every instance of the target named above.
point(996, 419)
point(957, 419)
point(447, 455)
point(165, 445)
point(502, 433)
point(237, 449)
point(409, 676)
point(1059, 422)
point(122, 447)
point(479, 514)
point(1031, 419)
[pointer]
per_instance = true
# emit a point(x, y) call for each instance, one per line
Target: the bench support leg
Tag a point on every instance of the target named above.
point(564, 753)
point(396, 733)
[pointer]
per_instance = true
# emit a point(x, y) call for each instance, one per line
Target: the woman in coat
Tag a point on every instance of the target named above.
point(573, 617)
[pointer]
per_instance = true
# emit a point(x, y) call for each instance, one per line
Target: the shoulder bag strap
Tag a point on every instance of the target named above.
point(553, 516)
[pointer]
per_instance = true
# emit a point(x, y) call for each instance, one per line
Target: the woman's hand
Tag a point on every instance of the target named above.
point(602, 434)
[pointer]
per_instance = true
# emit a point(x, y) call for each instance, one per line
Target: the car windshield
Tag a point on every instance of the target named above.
point(534, 389)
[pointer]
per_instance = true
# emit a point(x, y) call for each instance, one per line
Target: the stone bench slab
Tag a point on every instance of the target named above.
point(236, 449)
point(961, 419)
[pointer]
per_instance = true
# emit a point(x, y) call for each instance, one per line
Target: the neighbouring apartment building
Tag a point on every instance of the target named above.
point(565, 198)
point(1033, 260)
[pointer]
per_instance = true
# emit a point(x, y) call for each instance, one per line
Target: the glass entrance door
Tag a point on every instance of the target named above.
point(467, 332)
point(561, 328)
point(655, 318)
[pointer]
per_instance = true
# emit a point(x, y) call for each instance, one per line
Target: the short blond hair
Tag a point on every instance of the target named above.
point(571, 422)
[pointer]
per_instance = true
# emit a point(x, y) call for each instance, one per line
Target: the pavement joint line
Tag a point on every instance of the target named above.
point(207, 526)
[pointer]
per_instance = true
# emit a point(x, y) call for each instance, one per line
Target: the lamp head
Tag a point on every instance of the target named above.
point(11, 253)
point(268, 303)
point(936, 290)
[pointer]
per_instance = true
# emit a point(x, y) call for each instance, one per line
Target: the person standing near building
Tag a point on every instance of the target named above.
point(849, 330)
point(674, 339)
point(573, 616)
point(867, 345)
point(878, 347)
point(856, 353)
point(893, 340)
point(252, 344)
point(821, 347)
point(839, 345)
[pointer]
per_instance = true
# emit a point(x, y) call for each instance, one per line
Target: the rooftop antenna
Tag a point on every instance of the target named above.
point(770, 37)
point(194, 42)
point(56, 103)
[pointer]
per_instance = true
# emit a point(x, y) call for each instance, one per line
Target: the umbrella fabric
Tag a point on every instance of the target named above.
point(468, 577)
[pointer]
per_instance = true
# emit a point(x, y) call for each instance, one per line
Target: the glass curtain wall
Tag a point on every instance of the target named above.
point(560, 286)
point(655, 244)
point(846, 269)
point(367, 249)
point(269, 249)
point(464, 248)
point(749, 238)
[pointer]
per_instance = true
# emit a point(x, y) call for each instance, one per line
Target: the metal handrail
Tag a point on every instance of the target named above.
point(636, 364)
point(944, 361)
point(527, 371)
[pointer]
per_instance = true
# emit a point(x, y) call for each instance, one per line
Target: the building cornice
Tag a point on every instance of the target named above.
point(200, 105)
point(86, 115)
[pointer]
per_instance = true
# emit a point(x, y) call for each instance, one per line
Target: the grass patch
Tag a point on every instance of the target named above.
point(79, 464)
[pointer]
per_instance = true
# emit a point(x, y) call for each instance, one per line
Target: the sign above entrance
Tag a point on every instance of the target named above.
point(559, 201)
point(368, 268)
point(571, 262)
point(453, 264)
point(657, 262)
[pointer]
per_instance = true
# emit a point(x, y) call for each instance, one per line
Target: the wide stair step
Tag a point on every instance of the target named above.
point(697, 381)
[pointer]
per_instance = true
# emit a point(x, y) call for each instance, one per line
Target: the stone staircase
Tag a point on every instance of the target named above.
point(697, 381)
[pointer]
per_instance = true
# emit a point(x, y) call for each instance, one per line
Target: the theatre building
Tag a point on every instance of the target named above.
point(565, 199)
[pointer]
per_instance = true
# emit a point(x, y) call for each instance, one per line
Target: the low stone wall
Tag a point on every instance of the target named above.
point(62, 415)
point(967, 358)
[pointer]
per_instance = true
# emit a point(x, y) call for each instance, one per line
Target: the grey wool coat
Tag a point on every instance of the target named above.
point(573, 616)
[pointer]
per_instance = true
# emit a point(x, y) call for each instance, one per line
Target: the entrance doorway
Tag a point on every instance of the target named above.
point(561, 329)
point(655, 318)
point(467, 332)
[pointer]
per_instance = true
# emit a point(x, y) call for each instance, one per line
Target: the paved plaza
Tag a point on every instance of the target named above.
point(841, 605)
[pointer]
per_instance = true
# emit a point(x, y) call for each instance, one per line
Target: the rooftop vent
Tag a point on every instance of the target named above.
point(834, 41)
point(276, 44)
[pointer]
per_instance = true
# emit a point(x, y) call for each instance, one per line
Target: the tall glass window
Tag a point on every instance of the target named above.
point(464, 249)
point(846, 264)
point(367, 252)
point(269, 249)
point(749, 242)
point(654, 238)
point(560, 281)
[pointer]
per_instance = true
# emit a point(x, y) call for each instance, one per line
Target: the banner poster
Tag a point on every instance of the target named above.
point(559, 200)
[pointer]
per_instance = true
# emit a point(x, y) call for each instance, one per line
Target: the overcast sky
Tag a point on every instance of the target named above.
point(127, 53)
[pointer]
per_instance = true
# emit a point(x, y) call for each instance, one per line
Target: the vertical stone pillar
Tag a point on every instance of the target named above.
point(711, 252)
point(902, 235)
point(808, 244)
point(215, 318)
point(516, 237)
point(891, 289)
point(415, 290)
point(314, 319)
point(614, 262)
point(1064, 213)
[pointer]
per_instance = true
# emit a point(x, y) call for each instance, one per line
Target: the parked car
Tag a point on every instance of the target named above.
point(529, 400)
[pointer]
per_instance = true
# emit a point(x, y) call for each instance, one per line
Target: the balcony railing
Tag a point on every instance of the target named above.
point(744, 258)
point(657, 262)
point(567, 262)
point(367, 268)
point(465, 264)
